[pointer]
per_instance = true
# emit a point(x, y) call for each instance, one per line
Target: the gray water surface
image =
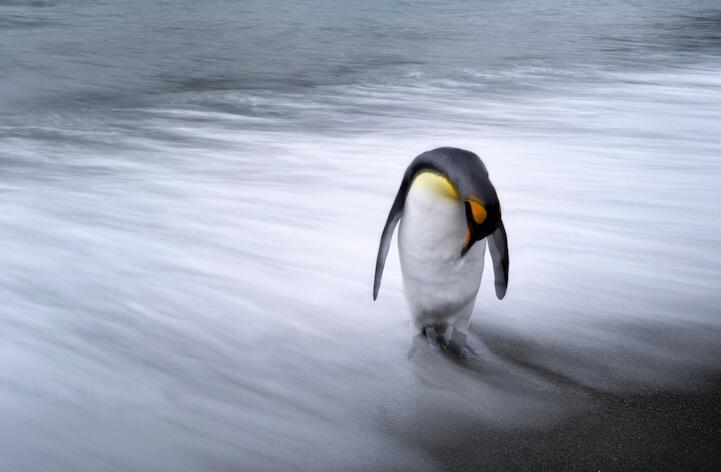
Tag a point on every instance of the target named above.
point(191, 195)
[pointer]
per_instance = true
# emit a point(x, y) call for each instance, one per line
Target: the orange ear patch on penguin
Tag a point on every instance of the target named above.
point(479, 212)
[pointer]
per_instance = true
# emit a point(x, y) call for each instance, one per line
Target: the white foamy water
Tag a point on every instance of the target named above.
point(198, 294)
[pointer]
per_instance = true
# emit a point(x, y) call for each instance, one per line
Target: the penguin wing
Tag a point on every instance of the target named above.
point(498, 246)
point(394, 215)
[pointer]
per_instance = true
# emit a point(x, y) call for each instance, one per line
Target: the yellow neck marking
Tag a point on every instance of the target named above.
point(436, 183)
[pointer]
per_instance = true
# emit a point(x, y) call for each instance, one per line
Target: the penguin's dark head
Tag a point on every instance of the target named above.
point(482, 219)
point(466, 179)
point(475, 190)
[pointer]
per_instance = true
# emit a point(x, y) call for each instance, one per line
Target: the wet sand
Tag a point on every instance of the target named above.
point(641, 428)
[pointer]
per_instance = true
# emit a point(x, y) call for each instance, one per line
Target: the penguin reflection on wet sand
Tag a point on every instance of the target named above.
point(447, 207)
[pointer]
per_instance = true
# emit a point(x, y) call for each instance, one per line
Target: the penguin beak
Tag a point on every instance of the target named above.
point(476, 216)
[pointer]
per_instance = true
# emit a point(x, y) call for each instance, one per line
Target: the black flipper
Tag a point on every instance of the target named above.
point(393, 217)
point(498, 246)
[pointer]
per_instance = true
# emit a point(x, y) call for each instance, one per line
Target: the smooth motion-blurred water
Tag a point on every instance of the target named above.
point(191, 195)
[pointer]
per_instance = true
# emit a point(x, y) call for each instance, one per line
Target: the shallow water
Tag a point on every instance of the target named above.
point(192, 196)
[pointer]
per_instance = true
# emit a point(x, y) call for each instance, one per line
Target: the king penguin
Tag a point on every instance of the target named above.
point(448, 209)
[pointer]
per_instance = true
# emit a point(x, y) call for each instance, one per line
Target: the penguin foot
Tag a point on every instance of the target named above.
point(443, 338)
point(458, 345)
point(435, 334)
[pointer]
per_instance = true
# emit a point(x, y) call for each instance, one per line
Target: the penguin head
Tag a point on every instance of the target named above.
point(482, 219)
point(472, 186)
point(482, 208)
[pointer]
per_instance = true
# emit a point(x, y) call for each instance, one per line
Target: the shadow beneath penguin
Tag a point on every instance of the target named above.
point(522, 354)
point(510, 360)
point(452, 358)
point(499, 360)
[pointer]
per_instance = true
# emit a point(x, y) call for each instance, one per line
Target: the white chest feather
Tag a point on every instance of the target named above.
point(440, 284)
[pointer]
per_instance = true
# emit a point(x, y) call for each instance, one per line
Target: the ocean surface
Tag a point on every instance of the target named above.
point(191, 196)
